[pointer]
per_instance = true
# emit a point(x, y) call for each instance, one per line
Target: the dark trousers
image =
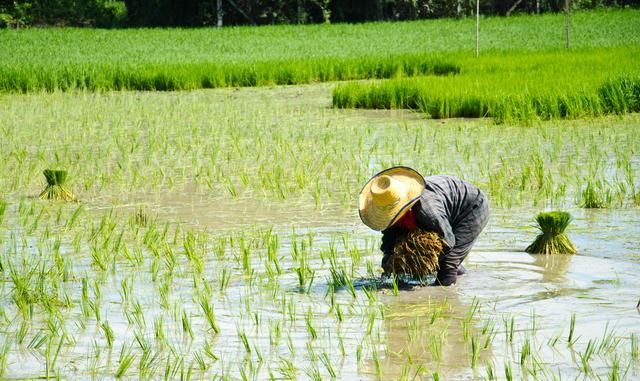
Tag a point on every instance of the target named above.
point(467, 232)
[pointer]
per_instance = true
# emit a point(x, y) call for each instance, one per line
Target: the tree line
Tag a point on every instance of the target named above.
point(193, 13)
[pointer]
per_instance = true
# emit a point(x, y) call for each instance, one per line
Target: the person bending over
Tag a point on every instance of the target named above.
point(399, 199)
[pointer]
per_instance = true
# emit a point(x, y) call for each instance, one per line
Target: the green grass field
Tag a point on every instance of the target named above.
point(521, 86)
point(180, 59)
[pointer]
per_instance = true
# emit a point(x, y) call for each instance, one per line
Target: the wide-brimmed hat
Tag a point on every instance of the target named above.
point(388, 195)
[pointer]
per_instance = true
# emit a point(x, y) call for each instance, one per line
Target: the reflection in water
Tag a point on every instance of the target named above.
point(553, 267)
point(429, 330)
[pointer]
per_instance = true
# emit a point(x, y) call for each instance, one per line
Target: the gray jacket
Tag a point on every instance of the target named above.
point(453, 208)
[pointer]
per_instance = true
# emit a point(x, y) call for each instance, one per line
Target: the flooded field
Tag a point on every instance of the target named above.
point(217, 237)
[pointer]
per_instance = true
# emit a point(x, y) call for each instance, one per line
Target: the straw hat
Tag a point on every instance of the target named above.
point(388, 195)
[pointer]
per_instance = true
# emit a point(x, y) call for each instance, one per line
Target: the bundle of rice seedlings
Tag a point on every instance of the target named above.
point(415, 255)
point(55, 189)
point(553, 239)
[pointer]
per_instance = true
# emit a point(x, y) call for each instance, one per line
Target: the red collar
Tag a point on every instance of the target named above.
point(407, 221)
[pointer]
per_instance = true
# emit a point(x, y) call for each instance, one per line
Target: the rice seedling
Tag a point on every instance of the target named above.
point(126, 289)
point(186, 325)
point(415, 255)
point(489, 331)
point(56, 188)
point(508, 373)
point(287, 369)
point(593, 197)
point(244, 340)
point(609, 341)
point(509, 329)
point(572, 326)
point(225, 277)
point(173, 365)
point(615, 373)
point(108, 333)
point(51, 363)
point(436, 343)
point(148, 364)
point(339, 314)
point(377, 364)
point(553, 239)
point(208, 310)
point(326, 361)
point(4, 351)
point(339, 274)
point(585, 357)
point(125, 360)
point(304, 272)
point(314, 373)
point(525, 352)
point(475, 350)
point(143, 343)
point(3, 210)
point(394, 284)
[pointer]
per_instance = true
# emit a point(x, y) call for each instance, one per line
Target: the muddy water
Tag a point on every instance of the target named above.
point(540, 293)
point(600, 285)
point(419, 332)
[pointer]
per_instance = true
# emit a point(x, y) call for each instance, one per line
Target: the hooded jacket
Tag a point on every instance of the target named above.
point(452, 208)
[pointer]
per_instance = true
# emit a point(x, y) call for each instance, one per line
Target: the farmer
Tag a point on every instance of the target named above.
point(399, 199)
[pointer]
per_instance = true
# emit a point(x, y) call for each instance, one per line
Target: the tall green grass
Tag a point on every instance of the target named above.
point(184, 76)
point(179, 59)
point(515, 87)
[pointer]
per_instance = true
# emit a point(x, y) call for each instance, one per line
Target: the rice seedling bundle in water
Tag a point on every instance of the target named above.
point(552, 239)
point(56, 190)
point(415, 254)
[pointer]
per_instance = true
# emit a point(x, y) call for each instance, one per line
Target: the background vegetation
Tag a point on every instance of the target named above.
point(178, 59)
point(110, 13)
point(514, 87)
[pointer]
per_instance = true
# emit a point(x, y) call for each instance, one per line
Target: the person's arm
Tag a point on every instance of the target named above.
point(446, 232)
point(430, 218)
point(389, 237)
point(447, 272)
point(447, 266)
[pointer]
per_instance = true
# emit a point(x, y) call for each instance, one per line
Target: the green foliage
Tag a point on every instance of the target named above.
point(185, 76)
point(620, 95)
point(183, 59)
point(16, 16)
point(101, 13)
point(553, 239)
point(191, 13)
point(520, 87)
point(595, 196)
